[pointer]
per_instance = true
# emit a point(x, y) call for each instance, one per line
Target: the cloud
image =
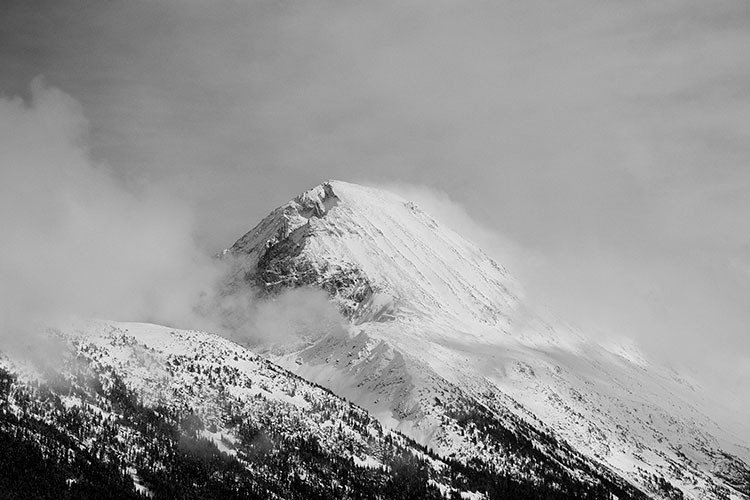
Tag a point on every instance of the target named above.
point(284, 322)
point(77, 240)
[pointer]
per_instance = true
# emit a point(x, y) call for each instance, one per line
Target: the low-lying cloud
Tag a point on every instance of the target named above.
point(75, 238)
point(281, 323)
point(79, 240)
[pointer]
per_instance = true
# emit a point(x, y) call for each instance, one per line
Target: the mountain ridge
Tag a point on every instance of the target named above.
point(453, 314)
point(132, 410)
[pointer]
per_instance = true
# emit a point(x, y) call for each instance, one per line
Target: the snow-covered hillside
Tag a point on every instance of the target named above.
point(436, 324)
point(128, 409)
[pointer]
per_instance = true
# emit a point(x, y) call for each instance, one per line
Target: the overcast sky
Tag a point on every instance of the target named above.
point(604, 146)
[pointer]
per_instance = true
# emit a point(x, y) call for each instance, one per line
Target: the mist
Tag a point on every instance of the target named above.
point(78, 240)
point(279, 323)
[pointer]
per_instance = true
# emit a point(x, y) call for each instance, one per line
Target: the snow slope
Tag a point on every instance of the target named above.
point(134, 394)
point(195, 373)
point(435, 322)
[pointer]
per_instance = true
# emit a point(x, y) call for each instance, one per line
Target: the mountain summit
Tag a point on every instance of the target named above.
point(442, 346)
point(380, 256)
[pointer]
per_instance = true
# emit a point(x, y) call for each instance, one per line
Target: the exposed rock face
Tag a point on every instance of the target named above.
point(277, 249)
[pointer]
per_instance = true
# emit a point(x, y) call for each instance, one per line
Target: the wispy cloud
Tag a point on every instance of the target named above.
point(78, 240)
point(75, 239)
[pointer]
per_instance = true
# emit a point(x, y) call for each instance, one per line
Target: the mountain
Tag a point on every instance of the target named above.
point(127, 410)
point(443, 347)
point(443, 383)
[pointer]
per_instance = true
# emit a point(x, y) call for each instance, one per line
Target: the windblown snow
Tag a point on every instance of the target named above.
point(434, 320)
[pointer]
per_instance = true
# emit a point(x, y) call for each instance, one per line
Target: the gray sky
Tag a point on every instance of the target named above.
point(604, 146)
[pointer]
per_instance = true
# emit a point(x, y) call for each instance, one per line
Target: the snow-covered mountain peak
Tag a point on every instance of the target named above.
point(385, 257)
